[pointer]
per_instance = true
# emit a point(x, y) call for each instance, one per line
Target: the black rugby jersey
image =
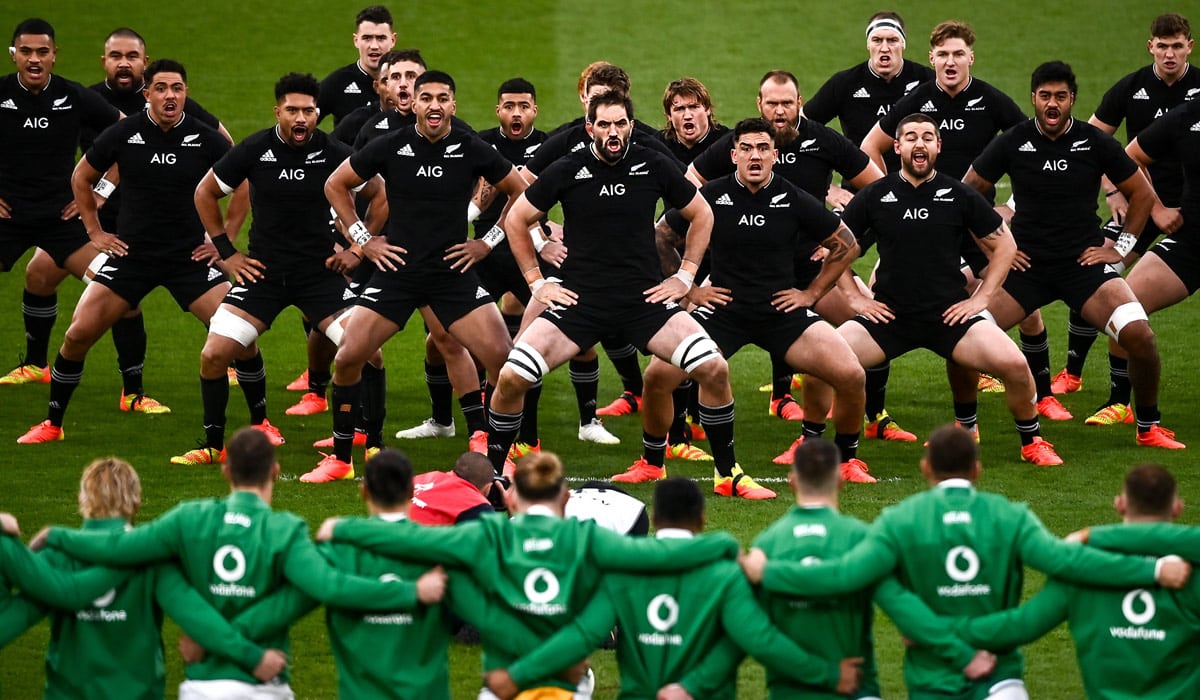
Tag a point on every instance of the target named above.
point(685, 154)
point(345, 90)
point(287, 195)
point(807, 162)
point(1140, 98)
point(967, 122)
point(1178, 133)
point(756, 235)
point(920, 231)
point(347, 129)
point(159, 174)
point(39, 136)
point(518, 153)
point(383, 122)
point(1055, 184)
point(858, 97)
point(572, 137)
point(608, 218)
point(428, 188)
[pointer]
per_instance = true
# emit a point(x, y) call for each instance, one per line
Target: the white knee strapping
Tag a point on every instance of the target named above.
point(1010, 689)
point(336, 329)
point(527, 362)
point(94, 266)
point(693, 351)
point(229, 325)
point(1122, 316)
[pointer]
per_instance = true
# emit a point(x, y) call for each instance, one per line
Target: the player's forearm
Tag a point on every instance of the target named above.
point(558, 653)
point(141, 545)
point(239, 208)
point(455, 546)
point(273, 615)
point(620, 553)
point(83, 179)
point(67, 590)
point(200, 621)
point(920, 624)
point(862, 566)
point(1009, 629)
point(749, 626)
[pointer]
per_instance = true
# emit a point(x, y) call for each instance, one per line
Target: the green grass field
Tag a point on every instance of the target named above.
point(234, 54)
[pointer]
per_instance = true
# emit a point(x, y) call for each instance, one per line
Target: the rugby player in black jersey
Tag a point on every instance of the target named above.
point(918, 216)
point(43, 119)
point(347, 129)
point(612, 281)
point(858, 97)
point(349, 87)
point(431, 170)
point(1055, 164)
point(291, 258)
point(691, 127)
point(1138, 100)
point(161, 154)
point(758, 222)
point(809, 153)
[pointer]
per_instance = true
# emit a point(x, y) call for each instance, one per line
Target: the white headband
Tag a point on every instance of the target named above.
point(887, 23)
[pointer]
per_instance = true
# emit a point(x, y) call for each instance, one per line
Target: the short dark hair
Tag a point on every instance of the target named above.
point(33, 26)
point(516, 86)
point(299, 83)
point(398, 55)
point(1053, 72)
point(1170, 24)
point(888, 14)
point(388, 478)
point(125, 33)
point(539, 476)
point(817, 464)
point(164, 65)
point(1150, 490)
point(779, 76)
point(377, 14)
point(917, 118)
point(951, 451)
point(753, 125)
point(475, 468)
point(610, 98)
point(250, 457)
point(434, 76)
point(610, 76)
point(678, 502)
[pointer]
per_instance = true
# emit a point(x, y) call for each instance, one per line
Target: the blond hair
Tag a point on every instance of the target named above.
point(539, 476)
point(109, 488)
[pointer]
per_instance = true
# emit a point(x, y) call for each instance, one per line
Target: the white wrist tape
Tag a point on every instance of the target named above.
point(537, 284)
point(539, 242)
point(1125, 243)
point(359, 233)
point(104, 188)
point(686, 277)
point(473, 212)
point(493, 237)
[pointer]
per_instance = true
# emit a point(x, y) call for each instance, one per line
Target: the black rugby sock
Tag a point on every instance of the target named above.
point(64, 377)
point(129, 338)
point(625, 360)
point(529, 421)
point(441, 394)
point(214, 395)
point(374, 403)
point(40, 313)
point(1080, 337)
point(252, 378)
point(585, 377)
point(346, 411)
point(1036, 349)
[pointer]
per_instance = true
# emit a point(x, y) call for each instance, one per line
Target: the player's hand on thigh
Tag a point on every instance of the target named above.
point(206, 253)
point(343, 262)
point(1167, 219)
point(70, 211)
point(466, 254)
point(243, 269)
point(965, 309)
point(386, 256)
point(1097, 254)
point(871, 309)
point(553, 294)
point(106, 242)
point(708, 296)
point(793, 299)
point(1021, 260)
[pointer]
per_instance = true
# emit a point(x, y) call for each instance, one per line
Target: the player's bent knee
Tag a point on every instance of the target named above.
point(1122, 316)
point(527, 363)
point(227, 324)
point(694, 351)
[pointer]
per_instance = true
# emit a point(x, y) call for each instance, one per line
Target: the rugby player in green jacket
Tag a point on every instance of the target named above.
point(1155, 633)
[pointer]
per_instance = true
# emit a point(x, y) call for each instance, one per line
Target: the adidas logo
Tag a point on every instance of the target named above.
point(480, 292)
point(214, 273)
point(579, 146)
point(908, 88)
point(383, 124)
point(861, 93)
point(352, 89)
point(8, 104)
point(972, 103)
point(1195, 127)
point(889, 197)
point(928, 107)
point(406, 150)
point(529, 151)
point(1141, 95)
point(267, 157)
point(583, 174)
point(347, 295)
point(725, 201)
point(136, 138)
point(1027, 147)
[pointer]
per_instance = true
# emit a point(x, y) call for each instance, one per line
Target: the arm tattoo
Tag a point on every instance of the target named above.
point(667, 242)
point(840, 245)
